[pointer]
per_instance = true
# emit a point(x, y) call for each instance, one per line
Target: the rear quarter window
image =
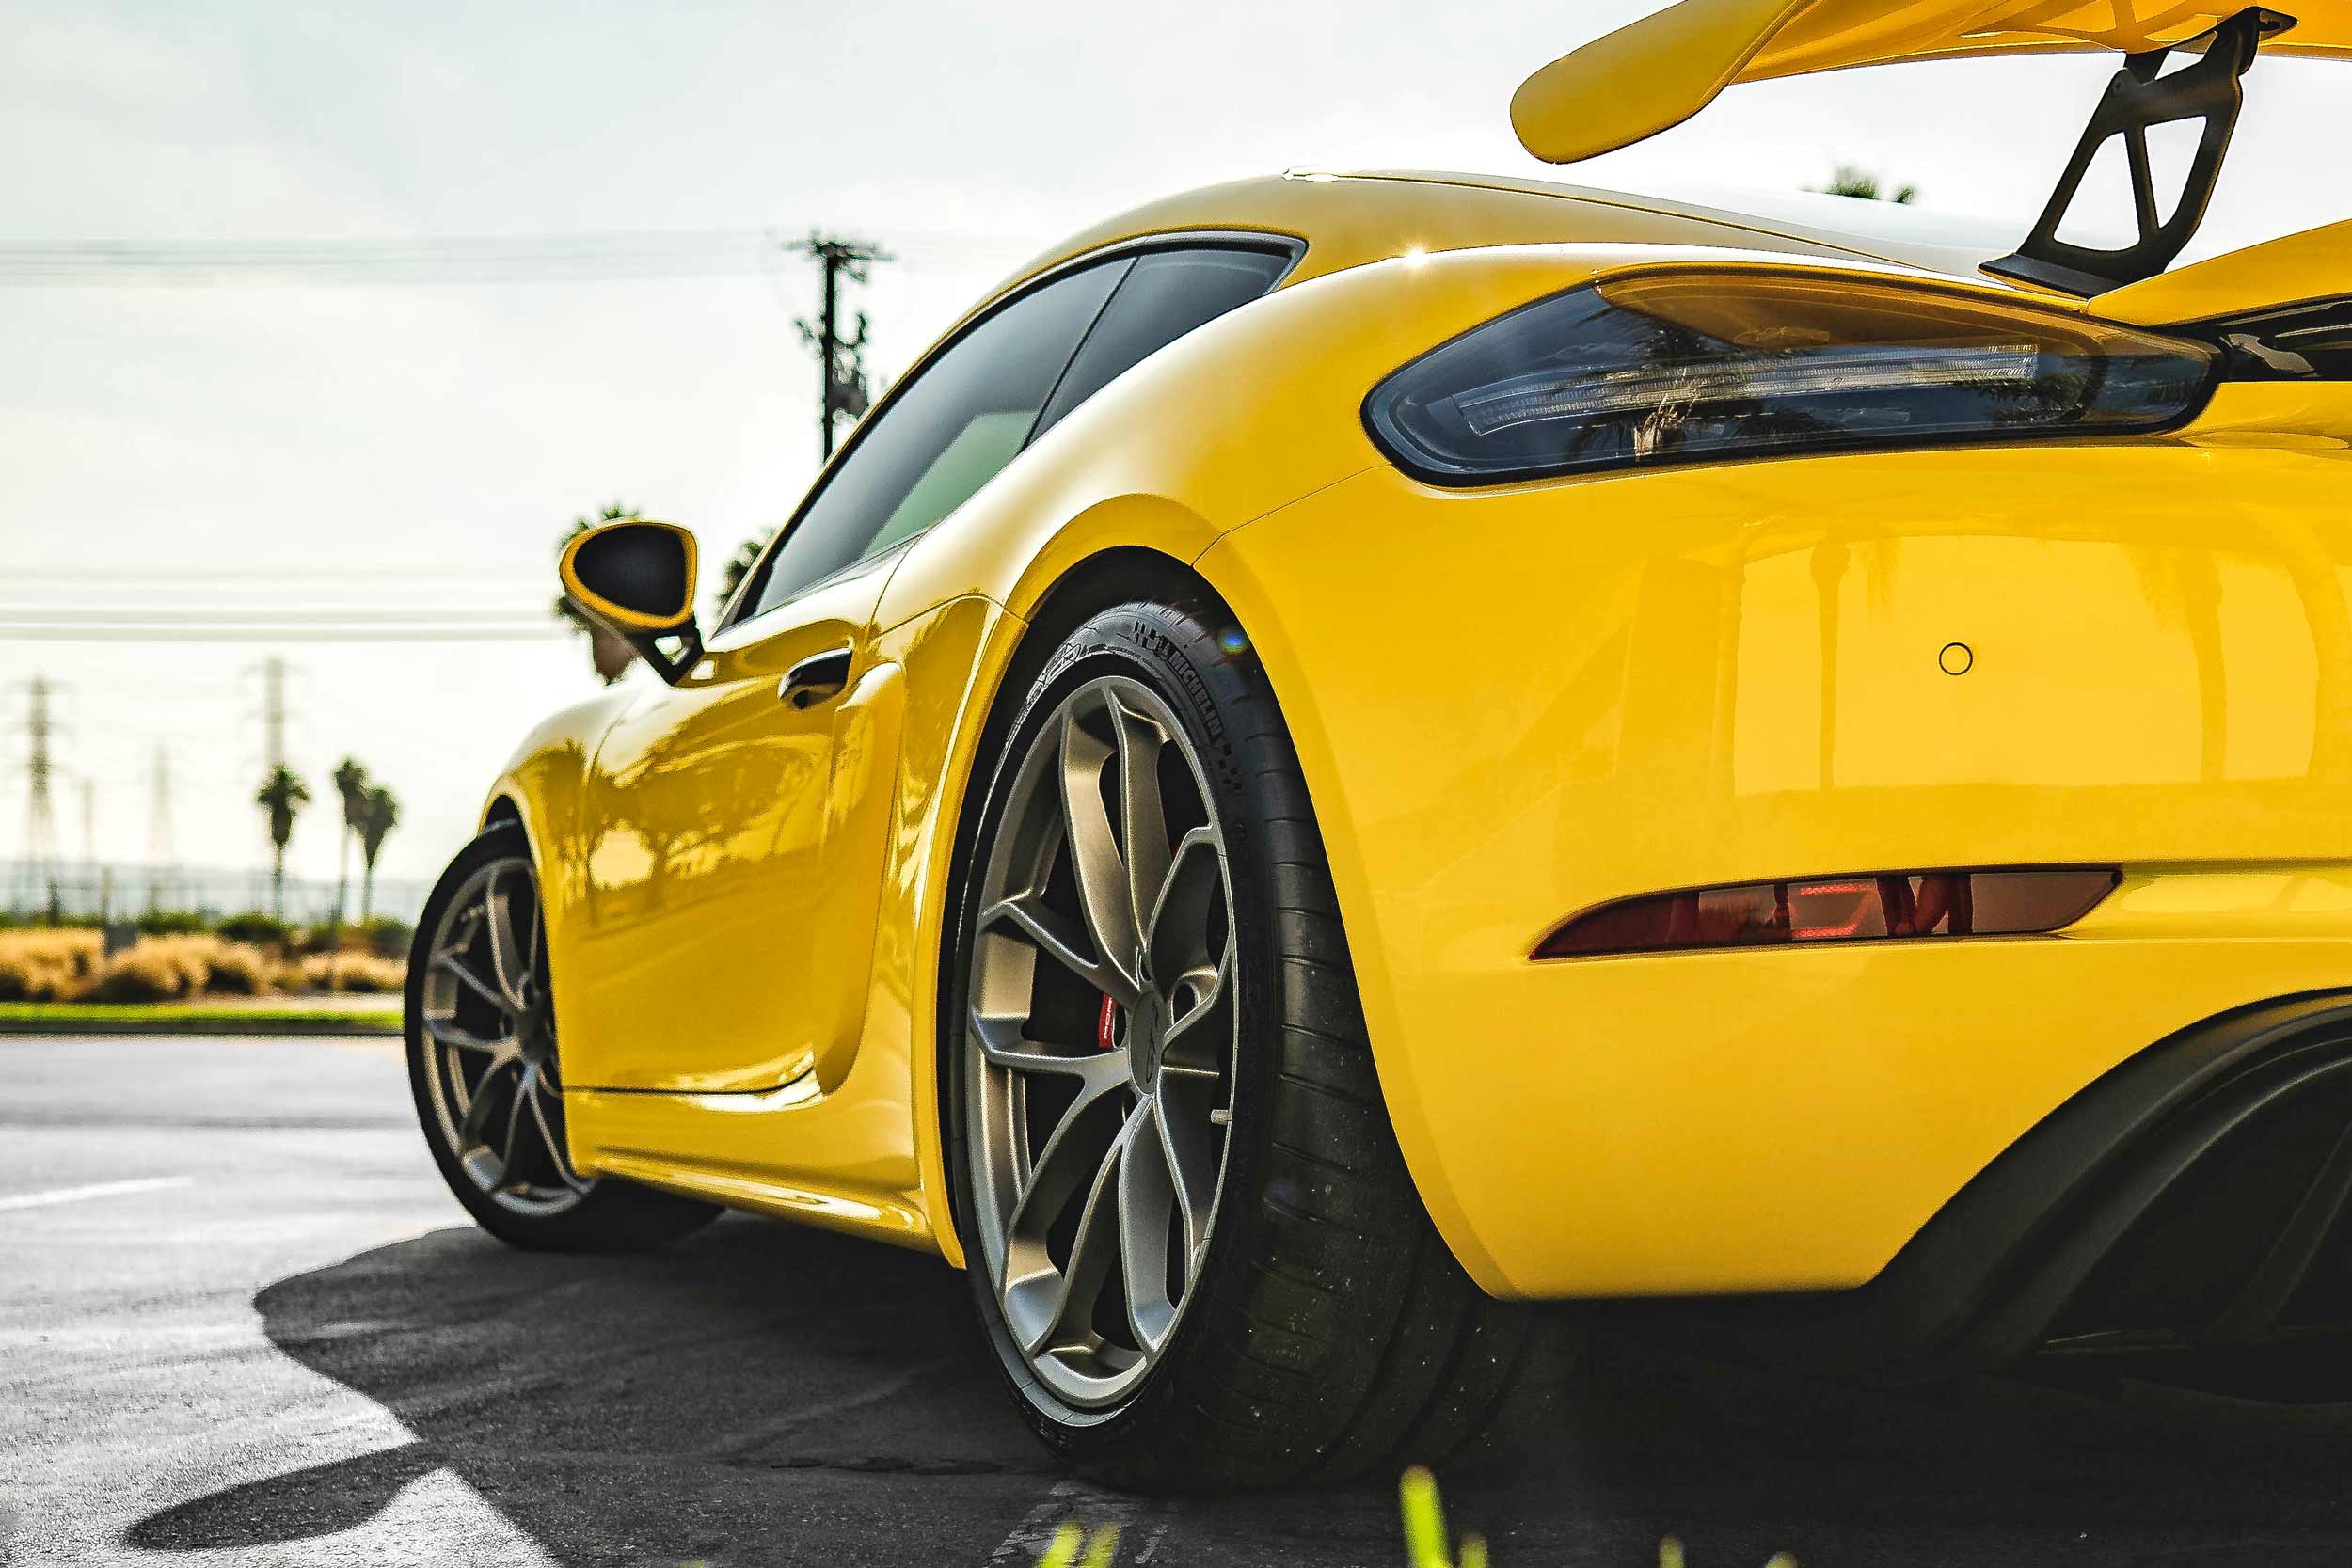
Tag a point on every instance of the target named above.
point(1165, 295)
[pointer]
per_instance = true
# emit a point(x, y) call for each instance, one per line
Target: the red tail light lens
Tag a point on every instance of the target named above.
point(1975, 903)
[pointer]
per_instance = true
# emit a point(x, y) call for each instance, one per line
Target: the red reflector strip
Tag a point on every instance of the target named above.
point(1972, 903)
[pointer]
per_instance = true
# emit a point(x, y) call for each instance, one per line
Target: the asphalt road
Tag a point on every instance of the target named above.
point(239, 1324)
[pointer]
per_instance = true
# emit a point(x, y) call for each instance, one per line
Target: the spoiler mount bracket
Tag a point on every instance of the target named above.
point(2136, 99)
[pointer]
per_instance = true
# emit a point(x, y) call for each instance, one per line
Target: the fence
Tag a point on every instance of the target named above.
point(82, 891)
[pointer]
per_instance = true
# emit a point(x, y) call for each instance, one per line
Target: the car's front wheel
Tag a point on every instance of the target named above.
point(1194, 1242)
point(487, 1079)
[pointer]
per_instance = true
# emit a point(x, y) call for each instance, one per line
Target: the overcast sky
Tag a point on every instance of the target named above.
point(423, 444)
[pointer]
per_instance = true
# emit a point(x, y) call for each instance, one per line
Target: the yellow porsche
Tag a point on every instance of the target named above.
point(1352, 753)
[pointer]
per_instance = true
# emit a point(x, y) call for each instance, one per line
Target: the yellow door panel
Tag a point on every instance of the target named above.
point(852, 1144)
point(718, 936)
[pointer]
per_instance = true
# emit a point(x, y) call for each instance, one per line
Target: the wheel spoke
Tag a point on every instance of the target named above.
point(1095, 862)
point(509, 965)
point(1187, 1145)
point(473, 1133)
point(1050, 935)
point(1143, 838)
point(1194, 1044)
point(1053, 1309)
point(1187, 892)
point(1071, 1151)
point(445, 1032)
point(551, 1135)
point(1002, 1043)
point(1148, 1205)
point(450, 958)
point(510, 1155)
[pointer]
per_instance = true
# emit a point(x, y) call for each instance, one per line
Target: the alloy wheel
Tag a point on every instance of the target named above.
point(1100, 1041)
point(489, 1026)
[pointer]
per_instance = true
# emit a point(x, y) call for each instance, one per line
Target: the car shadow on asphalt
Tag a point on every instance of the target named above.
point(764, 1393)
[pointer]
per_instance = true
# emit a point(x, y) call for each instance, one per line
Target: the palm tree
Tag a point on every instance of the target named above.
point(610, 652)
point(740, 567)
point(1855, 180)
point(350, 783)
point(282, 796)
point(378, 814)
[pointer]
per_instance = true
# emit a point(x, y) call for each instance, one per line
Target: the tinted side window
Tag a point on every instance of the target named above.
point(944, 436)
point(1167, 295)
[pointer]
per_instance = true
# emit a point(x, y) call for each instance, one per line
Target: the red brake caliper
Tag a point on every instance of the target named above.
point(1103, 1035)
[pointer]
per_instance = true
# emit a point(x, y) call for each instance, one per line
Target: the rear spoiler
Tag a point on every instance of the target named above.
point(1658, 71)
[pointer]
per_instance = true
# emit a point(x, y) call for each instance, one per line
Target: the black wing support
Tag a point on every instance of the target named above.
point(2136, 99)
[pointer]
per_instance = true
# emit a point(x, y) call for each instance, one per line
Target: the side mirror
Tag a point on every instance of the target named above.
point(636, 579)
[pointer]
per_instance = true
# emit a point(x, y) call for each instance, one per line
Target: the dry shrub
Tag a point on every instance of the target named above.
point(156, 968)
point(169, 968)
point(48, 965)
point(142, 974)
point(360, 972)
point(238, 970)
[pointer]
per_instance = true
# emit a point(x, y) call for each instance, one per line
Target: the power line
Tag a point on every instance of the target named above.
point(601, 257)
point(356, 572)
point(180, 615)
point(262, 631)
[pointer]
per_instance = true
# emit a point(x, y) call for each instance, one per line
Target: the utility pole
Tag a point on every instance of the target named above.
point(40, 871)
point(102, 882)
point(159, 852)
point(840, 358)
point(274, 712)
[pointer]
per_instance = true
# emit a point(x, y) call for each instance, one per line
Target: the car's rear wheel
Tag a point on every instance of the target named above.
point(1195, 1246)
point(487, 1079)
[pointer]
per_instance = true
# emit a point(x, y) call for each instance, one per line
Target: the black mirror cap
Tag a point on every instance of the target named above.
point(636, 575)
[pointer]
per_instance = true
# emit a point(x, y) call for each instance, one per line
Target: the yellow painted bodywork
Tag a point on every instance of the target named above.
point(2294, 269)
point(1511, 703)
point(1658, 72)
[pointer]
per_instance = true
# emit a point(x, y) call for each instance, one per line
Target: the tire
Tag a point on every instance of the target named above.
point(480, 1038)
point(1325, 1332)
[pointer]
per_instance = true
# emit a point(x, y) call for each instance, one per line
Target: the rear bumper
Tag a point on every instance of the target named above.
point(1790, 1119)
point(2195, 1197)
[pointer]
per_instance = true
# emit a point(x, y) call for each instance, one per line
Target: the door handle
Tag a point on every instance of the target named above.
point(815, 678)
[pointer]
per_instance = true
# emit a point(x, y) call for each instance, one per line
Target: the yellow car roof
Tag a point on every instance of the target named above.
point(1656, 73)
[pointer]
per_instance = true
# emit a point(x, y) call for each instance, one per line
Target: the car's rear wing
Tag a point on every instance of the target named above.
point(1658, 71)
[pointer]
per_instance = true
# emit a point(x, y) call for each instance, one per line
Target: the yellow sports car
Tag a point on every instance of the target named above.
point(1352, 752)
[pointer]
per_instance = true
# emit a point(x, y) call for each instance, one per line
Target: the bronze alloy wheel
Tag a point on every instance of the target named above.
point(496, 1089)
point(1099, 1040)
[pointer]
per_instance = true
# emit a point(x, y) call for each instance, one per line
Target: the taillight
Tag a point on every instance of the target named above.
point(1867, 908)
point(1667, 367)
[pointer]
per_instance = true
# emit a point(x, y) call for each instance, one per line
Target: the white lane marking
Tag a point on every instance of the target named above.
point(97, 1189)
point(1073, 1502)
